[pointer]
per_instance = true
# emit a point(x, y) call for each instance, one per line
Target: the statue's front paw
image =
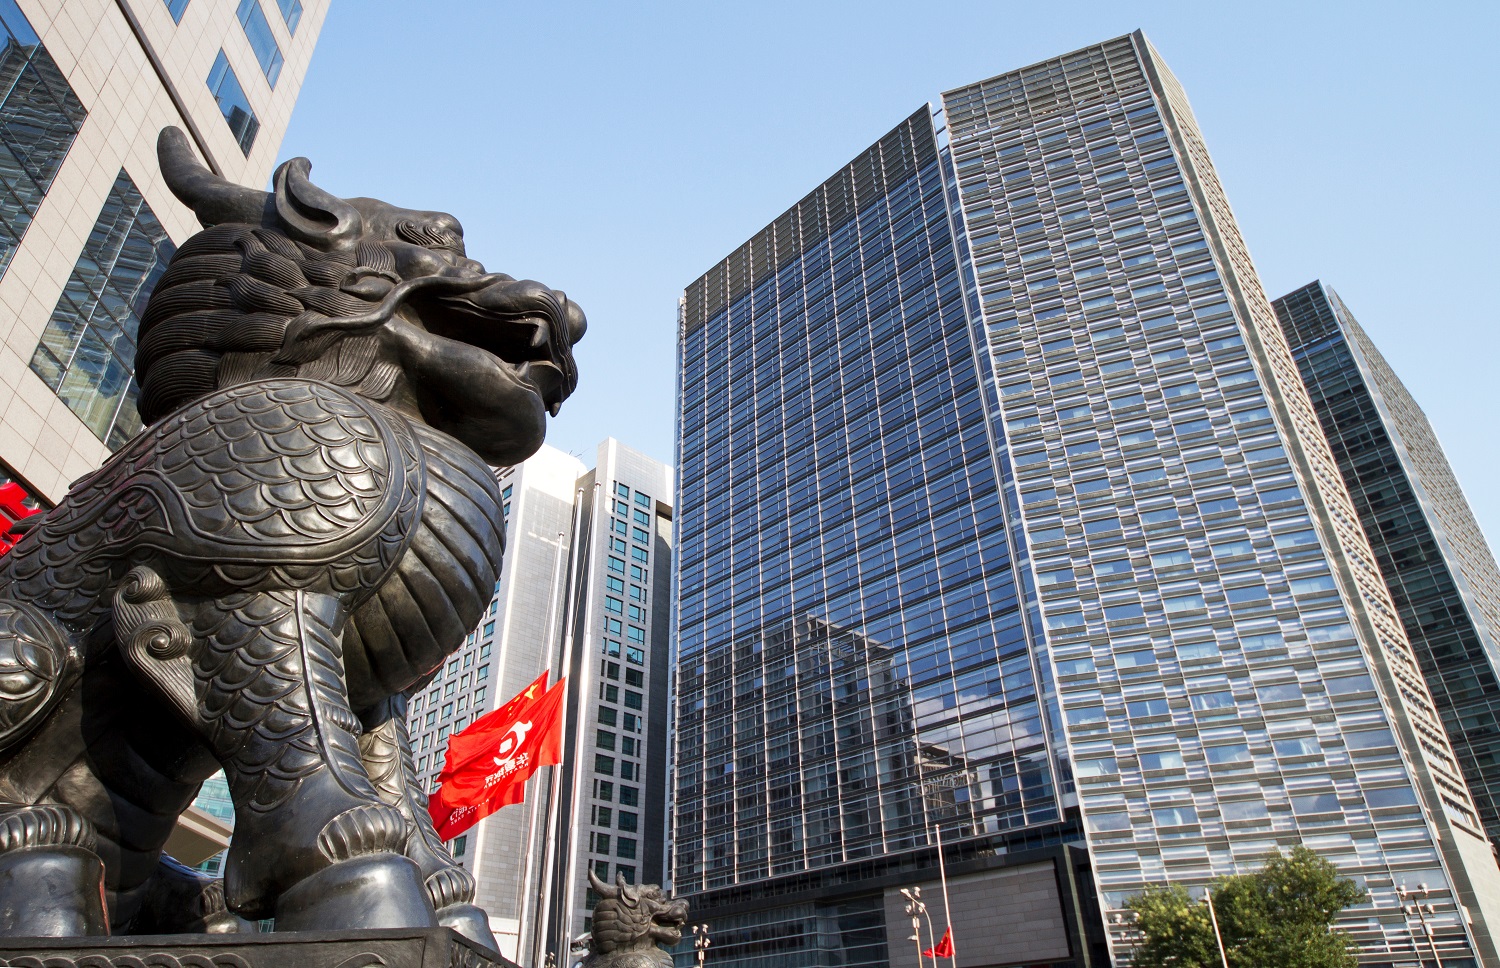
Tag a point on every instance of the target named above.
point(227, 922)
point(470, 922)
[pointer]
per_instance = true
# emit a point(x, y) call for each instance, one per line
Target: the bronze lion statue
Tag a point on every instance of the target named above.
point(629, 923)
point(304, 531)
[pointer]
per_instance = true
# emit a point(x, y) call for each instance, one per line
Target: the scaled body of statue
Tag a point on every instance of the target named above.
point(302, 534)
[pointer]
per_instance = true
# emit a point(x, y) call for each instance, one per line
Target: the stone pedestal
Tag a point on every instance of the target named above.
point(391, 948)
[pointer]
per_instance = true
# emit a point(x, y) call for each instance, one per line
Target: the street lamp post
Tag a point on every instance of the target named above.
point(1213, 917)
point(701, 941)
point(1421, 910)
point(1125, 925)
point(915, 909)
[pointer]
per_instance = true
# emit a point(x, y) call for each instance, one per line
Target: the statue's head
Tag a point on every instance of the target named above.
point(379, 299)
point(631, 918)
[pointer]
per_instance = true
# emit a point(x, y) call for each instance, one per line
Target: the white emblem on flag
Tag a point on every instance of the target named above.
point(510, 744)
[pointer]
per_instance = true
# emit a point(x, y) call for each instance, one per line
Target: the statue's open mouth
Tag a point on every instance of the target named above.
point(671, 920)
point(524, 324)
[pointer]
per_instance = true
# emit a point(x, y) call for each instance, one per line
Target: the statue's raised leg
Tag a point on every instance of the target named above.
point(386, 749)
point(261, 675)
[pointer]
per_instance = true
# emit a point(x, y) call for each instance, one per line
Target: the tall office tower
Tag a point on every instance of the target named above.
point(517, 640)
point(1005, 517)
point(1441, 574)
point(86, 223)
point(583, 591)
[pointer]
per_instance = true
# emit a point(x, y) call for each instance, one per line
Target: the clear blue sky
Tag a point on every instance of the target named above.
point(619, 150)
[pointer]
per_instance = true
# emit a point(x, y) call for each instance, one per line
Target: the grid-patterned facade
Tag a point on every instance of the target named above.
point(850, 622)
point(1442, 577)
point(1149, 545)
point(1230, 665)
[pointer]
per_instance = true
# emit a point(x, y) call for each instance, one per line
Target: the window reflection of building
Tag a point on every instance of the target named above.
point(39, 118)
point(849, 620)
point(87, 353)
point(225, 86)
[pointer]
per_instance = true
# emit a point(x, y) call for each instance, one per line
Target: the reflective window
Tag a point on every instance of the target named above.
point(176, 8)
point(262, 41)
point(39, 118)
point(233, 103)
point(832, 575)
point(87, 351)
point(291, 12)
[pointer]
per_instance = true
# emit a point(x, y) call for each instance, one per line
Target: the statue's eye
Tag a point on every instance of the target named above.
point(432, 235)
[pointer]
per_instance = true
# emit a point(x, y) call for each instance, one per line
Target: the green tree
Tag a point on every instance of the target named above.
point(1278, 917)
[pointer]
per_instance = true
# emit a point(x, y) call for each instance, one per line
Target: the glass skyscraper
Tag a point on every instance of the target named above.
point(1005, 518)
point(1441, 574)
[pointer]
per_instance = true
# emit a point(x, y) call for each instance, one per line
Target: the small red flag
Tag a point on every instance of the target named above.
point(943, 949)
point(488, 764)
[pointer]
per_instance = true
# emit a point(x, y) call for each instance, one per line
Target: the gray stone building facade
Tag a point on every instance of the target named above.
point(582, 593)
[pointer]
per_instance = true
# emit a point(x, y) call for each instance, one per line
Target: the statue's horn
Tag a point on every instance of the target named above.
point(312, 215)
point(600, 888)
point(630, 895)
point(212, 198)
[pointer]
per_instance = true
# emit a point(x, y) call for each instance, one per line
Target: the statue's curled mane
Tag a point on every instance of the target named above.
point(260, 284)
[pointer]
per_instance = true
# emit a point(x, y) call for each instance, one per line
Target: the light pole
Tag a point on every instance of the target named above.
point(916, 908)
point(701, 941)
point(1124, 923)
point(1213, 917)
point(1421, 911)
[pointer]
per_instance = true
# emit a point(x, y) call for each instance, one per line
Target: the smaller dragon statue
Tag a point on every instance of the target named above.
point(629, 924)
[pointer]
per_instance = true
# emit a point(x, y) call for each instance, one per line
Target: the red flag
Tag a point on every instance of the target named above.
point(483, 733)
point(489, 763)
point(943, 949)
point(16, 504)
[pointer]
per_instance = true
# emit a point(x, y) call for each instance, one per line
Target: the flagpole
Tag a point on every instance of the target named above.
point(549, 847)
point(935, 830)
point(531, 831)
point(943, 877)
point(565, 896)
point(525, 871)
